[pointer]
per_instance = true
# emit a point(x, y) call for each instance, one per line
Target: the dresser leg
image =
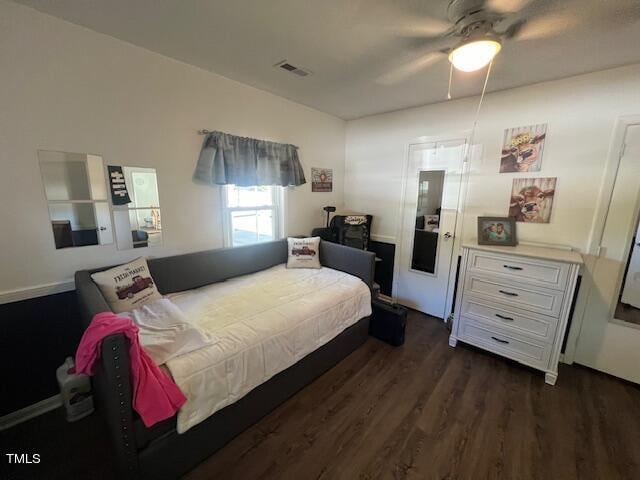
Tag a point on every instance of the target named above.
point(550, 378)
point(453, 341)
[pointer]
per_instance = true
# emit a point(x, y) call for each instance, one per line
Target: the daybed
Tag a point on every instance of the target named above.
point(160, 452)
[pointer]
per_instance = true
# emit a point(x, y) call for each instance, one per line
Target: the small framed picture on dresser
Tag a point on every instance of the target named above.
point(497, 231)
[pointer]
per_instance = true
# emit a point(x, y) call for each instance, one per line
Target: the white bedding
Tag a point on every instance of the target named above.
point(259, 325)
point(164, 331)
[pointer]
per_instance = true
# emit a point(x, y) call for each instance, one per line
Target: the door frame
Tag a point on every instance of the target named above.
point(466, 136)
point(607, 186)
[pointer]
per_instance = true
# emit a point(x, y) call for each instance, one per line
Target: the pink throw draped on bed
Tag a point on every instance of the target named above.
point(155, 395)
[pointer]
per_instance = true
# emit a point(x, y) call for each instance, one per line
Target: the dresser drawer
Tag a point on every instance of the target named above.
point(505, 343)
point(511, 319)
point(522, 269)
point(527, 297)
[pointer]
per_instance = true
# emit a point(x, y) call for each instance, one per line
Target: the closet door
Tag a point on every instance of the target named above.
point(103, 223)
point(610, 336)
point(430, 210)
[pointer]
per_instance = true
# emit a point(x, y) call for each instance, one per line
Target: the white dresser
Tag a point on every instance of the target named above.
point(515, 301)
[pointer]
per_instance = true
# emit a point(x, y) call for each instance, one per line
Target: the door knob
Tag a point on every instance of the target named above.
point(448, 235)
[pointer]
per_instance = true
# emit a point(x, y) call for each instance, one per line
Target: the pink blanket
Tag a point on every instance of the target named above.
point(155, 396)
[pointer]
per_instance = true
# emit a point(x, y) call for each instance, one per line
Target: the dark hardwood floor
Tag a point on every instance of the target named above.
point(421, 411)
point(627, 313)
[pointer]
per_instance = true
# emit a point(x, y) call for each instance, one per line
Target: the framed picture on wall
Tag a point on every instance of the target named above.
point(522, 149)
point(532, 199)
point(497, 231)
point(321, 179)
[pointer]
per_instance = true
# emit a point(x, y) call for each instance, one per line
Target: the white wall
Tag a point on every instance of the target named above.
point(67, 88)
point(580, 112)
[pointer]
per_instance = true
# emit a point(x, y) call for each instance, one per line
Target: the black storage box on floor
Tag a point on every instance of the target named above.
point(388, 322)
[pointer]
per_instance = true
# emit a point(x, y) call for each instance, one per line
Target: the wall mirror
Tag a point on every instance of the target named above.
point(427, 228)
point(76, 193)
point(136, 206)
point(628, 302)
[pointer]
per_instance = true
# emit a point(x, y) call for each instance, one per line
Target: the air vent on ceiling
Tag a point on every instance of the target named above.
point(285, 65)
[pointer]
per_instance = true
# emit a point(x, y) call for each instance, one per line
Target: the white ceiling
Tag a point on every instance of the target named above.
point(357, 49)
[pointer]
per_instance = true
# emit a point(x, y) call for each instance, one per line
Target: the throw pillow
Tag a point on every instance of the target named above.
point(127, 286)
point(304, 252)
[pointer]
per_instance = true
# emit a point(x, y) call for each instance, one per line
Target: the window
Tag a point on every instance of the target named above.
point(252, 214)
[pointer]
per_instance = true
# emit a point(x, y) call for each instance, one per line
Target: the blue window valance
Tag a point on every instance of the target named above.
point(230, 160)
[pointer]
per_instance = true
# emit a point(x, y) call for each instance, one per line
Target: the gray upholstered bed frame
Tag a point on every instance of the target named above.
point(159, 452)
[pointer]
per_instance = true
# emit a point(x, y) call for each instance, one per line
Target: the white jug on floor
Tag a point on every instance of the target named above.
point(75, 390)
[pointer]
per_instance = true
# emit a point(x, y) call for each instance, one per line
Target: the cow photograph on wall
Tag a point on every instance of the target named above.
point(532, 199)
point(522, 149)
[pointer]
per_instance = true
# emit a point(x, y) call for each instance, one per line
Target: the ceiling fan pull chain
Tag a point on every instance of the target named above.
point(484, 90)
point(450, 81)
point(472, 137)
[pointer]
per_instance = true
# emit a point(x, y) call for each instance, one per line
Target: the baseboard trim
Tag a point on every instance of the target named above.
point(27, 293)
point(27, 413)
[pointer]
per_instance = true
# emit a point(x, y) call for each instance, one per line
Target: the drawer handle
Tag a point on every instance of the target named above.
point(508, 319)
point(511, 294)
point(499, 340)
point(511, 267)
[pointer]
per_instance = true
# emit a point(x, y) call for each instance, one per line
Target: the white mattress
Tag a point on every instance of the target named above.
point(260, 324)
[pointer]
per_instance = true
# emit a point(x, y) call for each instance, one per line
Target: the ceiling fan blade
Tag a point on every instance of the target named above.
point(426, 27)
point(408, 69)
point(514, 29)
point(507, 6)
point(398, 24)
point(535, 19)
point(545, 26)
point(418, 45)
point(545, 20)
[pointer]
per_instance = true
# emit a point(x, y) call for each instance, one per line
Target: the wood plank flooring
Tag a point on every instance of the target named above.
point(426, 410)
point(420, 411)
point(627, 313)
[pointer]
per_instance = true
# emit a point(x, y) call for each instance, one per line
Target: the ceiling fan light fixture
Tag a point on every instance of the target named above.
point(472, 55)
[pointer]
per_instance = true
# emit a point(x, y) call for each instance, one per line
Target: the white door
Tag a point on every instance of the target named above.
point(631, 288)
point(98, 189)
point(430, 210)
point(103, 223)
point(609, 339)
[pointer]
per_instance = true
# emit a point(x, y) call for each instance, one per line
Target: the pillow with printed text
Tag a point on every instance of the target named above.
point(127, 286)
point(304, 252)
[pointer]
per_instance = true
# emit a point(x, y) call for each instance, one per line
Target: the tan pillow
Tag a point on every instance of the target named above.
point(127, 286)
point(304, 252)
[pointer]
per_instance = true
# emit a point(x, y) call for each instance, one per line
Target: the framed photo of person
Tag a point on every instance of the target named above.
point(497, 231)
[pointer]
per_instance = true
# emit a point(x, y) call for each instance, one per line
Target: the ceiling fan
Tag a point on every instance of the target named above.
point(477, 29)
point(471, 38)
